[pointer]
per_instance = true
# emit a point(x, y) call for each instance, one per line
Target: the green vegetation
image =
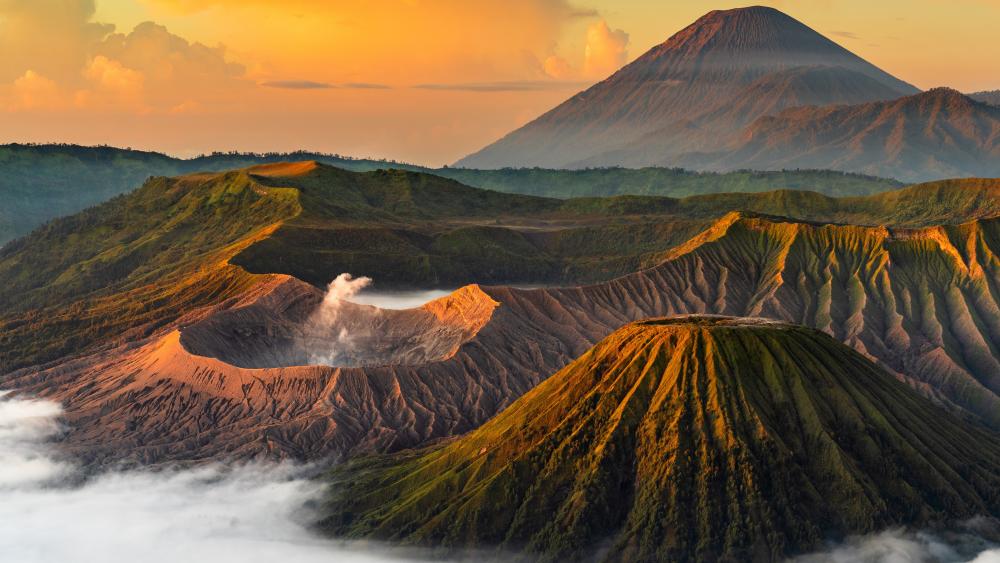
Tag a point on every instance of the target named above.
point(148, 257)
point(41, 182)
point(409, 229)
point(699, 439)
point(672, 182)
point(413, 229)
point(138, 260)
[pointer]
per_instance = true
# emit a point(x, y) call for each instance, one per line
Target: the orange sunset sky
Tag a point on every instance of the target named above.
point(424, 81)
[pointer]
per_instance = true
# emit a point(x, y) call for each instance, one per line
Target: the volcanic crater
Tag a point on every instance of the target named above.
point(296, 326)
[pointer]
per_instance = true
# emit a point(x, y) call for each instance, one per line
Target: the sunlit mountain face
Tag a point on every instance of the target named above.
point(499, 281)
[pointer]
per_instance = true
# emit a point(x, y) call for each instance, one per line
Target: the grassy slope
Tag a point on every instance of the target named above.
point(672, 182)
point(413, 229)
point(43, 182)
point(152, 255)
point(487, 237)
point(683, 442)
point(148, 257)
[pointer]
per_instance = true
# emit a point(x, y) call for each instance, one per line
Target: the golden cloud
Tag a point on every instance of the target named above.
point(606, 50)
point(65, 60)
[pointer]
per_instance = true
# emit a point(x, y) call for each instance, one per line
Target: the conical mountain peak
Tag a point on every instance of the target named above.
point(696, 438)
point(747, 29)
point(672, 100)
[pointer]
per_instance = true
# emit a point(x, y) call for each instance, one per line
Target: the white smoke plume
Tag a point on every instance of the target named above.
point(248, 514)
point(324, 320)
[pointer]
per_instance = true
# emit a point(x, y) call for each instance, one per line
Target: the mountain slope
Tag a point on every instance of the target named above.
point(684, 439)
point(920, 302)
point(991, 97)
point(937, 134)
point(42, 182)
point(176, 244)
point(680, 90)
point(140, 260)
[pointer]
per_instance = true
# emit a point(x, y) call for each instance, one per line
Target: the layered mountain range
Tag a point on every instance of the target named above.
point(682, 439)
point(42, 182)
point(939, 133)
point(192, 357)
point(991, 97)
point(752, 88)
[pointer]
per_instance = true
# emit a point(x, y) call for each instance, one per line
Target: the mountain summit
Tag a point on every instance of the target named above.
point(673, 99)
point(684, 439)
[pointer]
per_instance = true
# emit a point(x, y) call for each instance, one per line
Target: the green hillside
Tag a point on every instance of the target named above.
point(148, 257)
point(434, 237)
point(41, 182)
point(685, 439)
point(672, 182)
point(138, 260)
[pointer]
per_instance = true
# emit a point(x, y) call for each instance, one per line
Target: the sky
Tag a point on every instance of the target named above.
point(424, 81)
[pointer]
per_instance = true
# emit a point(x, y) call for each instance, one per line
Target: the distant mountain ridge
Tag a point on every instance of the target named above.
point(752, 88)
point(42, 182)
point(675, 98)
point(991, 97)
point(939, 133)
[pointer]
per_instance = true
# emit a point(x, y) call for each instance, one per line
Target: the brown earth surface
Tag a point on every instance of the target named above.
point(222, 382)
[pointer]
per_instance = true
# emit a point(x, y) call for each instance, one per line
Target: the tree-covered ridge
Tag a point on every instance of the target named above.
point(178, 243)
point(41, 182)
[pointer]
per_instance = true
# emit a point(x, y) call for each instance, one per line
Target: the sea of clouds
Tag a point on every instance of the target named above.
point(963, 545)
point(50, 513)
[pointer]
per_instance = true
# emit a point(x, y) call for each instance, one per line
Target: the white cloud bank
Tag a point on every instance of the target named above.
point(906, 546)
point(249, 514)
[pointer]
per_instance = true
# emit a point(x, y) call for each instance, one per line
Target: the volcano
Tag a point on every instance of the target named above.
point(695, 438)
point(940, 133)
point(689, 94)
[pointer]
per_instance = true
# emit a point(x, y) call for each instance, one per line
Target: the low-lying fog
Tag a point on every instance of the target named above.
point(398, 299)
point(249, 514)
point(246, 514)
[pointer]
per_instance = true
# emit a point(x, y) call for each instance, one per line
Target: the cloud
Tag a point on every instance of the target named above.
point(365, 86)
point(112, 84)
point(23, 425)
point(606, 50)
point(33, 91)
point(398, 299)
point(152, 49)
point(259, 512)
point(255, 513)
point(965, 544)
point(314, 85)
point(296, 84)
point(558, 67)
point(506, 86)
point(847, 34)
point(53, 38)
point(64, 60)
point(173, 67)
